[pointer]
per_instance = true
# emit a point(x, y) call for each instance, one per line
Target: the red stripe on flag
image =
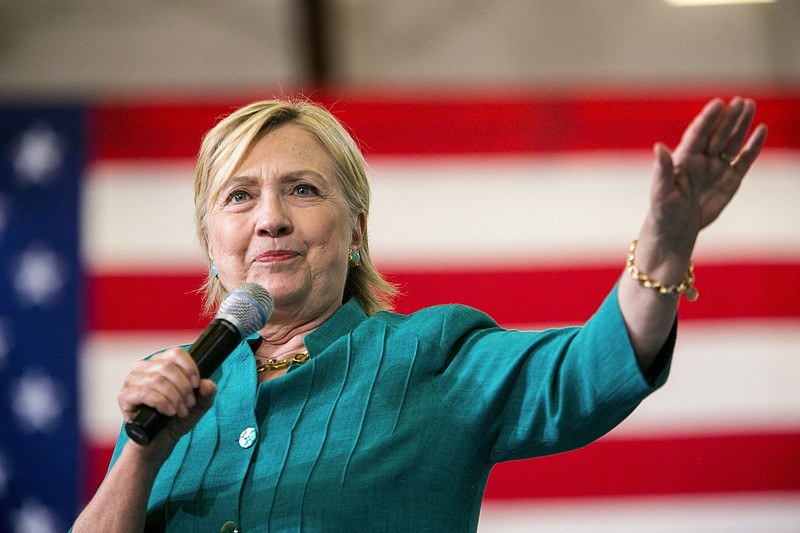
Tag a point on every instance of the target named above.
point(139, 302)
point(681, 465)
point(151, 130)
point(445, 124)
point(96, 460)
point(572, 295)
point(170, 302)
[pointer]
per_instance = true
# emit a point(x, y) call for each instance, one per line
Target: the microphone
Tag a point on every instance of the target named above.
point(242, 313)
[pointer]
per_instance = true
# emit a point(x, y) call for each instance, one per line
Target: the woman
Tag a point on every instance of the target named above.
point(338, 415)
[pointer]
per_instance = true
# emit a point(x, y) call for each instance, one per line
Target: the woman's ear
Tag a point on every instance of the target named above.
point(359, 229)
point(207, 244)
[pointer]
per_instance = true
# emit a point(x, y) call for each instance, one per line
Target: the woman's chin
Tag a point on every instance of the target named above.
point(286, 298)
point(279, 286)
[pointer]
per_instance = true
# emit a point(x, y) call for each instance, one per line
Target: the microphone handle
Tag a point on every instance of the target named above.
point(212, 347)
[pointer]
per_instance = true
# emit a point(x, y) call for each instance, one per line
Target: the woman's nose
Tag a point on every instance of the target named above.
point(272, 216)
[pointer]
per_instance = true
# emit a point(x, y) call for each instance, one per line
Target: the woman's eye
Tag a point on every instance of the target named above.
point(238, 196)
point(305, 190)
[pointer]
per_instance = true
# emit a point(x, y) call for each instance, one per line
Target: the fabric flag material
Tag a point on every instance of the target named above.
point(41, 164)
point(522, 205)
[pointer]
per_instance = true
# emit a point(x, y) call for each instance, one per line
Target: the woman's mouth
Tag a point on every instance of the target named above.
point(275, 256)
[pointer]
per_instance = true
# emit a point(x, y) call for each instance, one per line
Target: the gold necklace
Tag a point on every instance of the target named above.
point(278, 364)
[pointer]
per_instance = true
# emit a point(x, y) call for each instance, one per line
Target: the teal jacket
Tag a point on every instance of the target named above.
point(395, 422)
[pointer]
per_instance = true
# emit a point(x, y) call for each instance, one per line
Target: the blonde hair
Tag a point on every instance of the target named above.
point(224, 147)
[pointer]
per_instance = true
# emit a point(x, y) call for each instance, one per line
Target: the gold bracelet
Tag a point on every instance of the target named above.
point(685, 287)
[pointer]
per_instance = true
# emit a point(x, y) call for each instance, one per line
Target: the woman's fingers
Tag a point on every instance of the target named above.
point(165, 382)
point(696, 136)
point(722, 136)
point(664, 171)
point(751, 150)
point(719, 130)
point(738, 135)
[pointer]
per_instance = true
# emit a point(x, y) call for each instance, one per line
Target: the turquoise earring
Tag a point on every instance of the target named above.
point(213, 271)
point(353, 258)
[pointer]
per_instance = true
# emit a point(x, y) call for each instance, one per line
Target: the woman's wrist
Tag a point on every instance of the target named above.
point(685, 286)
point(664, 257)
point(153, 455)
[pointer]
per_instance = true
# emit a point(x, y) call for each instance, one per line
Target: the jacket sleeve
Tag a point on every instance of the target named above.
point(527, 394)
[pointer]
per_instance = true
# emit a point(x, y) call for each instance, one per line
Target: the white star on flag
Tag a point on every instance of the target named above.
point(34, 517)
point(3, 214)
point(38, 157)
point(5, 341)
point(5, 475)
point(36, 402)
point(38, 278)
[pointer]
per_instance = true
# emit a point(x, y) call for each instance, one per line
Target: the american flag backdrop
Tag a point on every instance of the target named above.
point(520, 204)
point(41, 164)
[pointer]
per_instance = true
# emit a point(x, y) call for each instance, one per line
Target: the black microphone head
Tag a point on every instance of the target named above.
point(248, 308)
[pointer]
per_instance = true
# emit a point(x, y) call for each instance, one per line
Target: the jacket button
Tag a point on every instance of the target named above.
point(248, 437)
point(229, 527)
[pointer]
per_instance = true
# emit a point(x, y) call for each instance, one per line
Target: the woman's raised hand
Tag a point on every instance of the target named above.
point(694, 183)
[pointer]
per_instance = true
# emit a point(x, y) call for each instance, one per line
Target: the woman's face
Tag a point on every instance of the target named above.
point(281, 220)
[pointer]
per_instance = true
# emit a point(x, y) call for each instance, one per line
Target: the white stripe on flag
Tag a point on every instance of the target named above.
point(746, 513)
point(482, 211)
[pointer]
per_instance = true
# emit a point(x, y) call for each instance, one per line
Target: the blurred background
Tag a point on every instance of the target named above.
point(510, 148)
